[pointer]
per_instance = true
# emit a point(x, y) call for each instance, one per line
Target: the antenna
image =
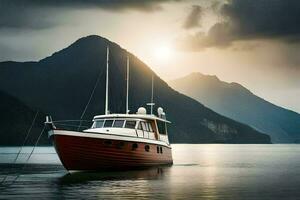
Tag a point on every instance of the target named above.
point(127, 88)
point(152, 91)
point(106, 94)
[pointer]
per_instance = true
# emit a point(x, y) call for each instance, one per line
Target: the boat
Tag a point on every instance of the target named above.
point(114, 141)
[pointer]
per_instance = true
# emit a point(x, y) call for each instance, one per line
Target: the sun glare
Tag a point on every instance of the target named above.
point(163, 53)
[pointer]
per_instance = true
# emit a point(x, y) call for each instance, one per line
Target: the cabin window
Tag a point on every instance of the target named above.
point(161, 127)
point(144, 126)
point(140, 126)
point(147, 148)
point(98, 124)
point(130, 124)
point(108, 123)
point(157, 149)
point(161, 150)
point(118, 123)
point(150, 127)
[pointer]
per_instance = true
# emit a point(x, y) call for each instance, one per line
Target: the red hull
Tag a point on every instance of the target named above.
point(83, 153)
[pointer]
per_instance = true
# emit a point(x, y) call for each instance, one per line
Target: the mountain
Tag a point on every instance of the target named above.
point(16, 116)
point(236, 102)
point(61, 85)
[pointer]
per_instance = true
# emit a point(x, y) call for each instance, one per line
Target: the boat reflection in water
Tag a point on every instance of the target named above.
point(139, 174)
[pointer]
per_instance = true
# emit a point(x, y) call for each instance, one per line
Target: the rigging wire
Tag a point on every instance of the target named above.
point(90, 99)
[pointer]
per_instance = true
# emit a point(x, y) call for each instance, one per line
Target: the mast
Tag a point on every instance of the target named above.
point(106, 91)
point(127, 87)
point(152, 91)
point(152, 86)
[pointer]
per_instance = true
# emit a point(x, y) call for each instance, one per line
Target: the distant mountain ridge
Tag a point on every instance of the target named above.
point(237, 102)
point(61, 85)
point(16, 116)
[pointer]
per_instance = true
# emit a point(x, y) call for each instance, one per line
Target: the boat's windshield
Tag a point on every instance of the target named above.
point(130, 124)
point(108, 123)
point(114, 123)
point(98, 124)
point(118, 123)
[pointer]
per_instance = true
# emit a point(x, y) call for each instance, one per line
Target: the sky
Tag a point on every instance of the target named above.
point(254, 43)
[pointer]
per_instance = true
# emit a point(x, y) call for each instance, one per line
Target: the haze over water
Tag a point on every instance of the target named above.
point(208, 171)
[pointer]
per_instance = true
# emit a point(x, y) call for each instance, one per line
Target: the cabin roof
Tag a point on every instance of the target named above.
point(136, 116)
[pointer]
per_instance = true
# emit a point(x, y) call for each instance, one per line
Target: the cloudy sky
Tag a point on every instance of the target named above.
point(253, 42)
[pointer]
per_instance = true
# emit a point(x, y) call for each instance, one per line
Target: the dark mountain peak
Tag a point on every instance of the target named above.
point(94, 40)
point(89, 46)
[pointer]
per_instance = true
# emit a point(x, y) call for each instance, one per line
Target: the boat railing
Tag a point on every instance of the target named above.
point(73, 125)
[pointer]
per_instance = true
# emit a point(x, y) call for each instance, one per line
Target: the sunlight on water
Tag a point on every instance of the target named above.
point(209, 171)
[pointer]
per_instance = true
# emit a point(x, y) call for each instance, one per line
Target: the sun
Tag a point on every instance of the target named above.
point(163, 52)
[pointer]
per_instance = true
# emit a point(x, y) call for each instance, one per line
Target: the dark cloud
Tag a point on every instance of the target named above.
point(220, 35)
point(15, 17)
point(144, 5)
point(194, 18)
point(264, 18)
point(39, 14)
point(216, 5)
point(248, 20)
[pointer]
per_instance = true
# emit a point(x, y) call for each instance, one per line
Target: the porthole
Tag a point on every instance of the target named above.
point(134, 146)
point(147, 148)
point(161, 150)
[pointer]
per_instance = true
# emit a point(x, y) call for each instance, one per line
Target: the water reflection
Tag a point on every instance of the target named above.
point(139, 174)
point(141, 183)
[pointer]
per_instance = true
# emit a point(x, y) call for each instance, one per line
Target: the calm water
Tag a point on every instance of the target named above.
point(199, 171)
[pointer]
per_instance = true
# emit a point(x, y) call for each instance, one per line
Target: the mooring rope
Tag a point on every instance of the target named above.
point(4, 179)
point(27, 135)
point(36, 143)
point(24, 142)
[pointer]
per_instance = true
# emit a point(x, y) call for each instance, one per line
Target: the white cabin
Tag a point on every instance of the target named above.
point(141, 126)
